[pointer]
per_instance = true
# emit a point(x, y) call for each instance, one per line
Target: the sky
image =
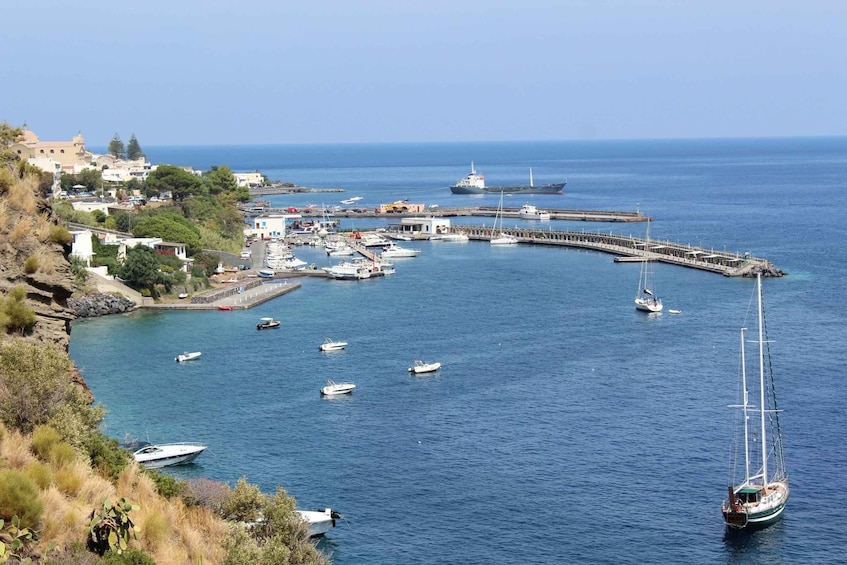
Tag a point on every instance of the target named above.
point(218, 72)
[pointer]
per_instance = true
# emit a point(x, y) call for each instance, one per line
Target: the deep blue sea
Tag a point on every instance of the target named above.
point(564, 426)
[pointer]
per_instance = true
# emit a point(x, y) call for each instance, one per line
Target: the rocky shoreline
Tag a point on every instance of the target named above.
point(100, 304)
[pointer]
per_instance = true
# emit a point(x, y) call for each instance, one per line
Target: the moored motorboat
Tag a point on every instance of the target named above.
point(530, 212)
point(331, 345)
point(393, 251)
point(319, 521)
point(267, 323)
point(455, 237)
point(187, 356)
point(225, 308)
point(335, 389)
point(421, 367)
point(154, 456)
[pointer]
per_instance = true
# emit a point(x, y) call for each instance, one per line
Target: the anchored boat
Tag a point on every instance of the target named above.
point(758, 499)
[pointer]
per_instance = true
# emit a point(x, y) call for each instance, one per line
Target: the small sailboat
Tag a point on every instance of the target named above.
point(503, 238)
point(645, 299)
point(758, 499)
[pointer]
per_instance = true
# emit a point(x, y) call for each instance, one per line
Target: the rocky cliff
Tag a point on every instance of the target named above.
point(34, 256)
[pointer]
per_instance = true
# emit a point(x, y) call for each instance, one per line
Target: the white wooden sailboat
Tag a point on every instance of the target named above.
point(503, 238)
point(646, 299)
point(758, 499)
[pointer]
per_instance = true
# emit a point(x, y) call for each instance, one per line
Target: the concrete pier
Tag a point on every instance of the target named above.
point(629, 248)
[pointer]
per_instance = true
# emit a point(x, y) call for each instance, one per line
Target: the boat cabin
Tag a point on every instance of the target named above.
point(749, 495)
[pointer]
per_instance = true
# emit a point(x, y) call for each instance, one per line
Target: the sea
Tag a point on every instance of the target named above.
point(564, 426)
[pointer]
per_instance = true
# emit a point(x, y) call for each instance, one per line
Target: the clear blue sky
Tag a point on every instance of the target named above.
point(324, 71)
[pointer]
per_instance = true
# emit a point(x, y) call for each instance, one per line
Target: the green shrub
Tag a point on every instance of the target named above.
point(36, 381)
point(75, 554)
point(61, 235)
point(16, 315)
point(62, 454)
point(243, 503)
point(40, 474)
point(44, 438)
point(131, 556)
point(240, 548)
point(107, 456)
point(19, 497)
point(68, 481)
point(166, 485)
point(31, 265)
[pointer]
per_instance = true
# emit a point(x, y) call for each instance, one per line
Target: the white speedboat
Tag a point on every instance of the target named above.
point(421, 367)
point(187, 356)
point(457, 237)
point(267, 323)
point(335, 389)
point(156, 456)
point(530, 212)
point(392, 251)
point(348, 271)
point(330, 345)
point(319, 521)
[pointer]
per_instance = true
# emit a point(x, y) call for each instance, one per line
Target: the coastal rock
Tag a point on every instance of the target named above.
point(94, 305)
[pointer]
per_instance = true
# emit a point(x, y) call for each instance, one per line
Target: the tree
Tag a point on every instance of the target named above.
point(221, 181)
point(170, 227)
point(133, 149)
point(141, 267)
point(8, 137)
point(179, 182)
point(116, 147)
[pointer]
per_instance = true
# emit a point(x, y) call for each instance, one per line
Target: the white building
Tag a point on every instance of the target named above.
point(82, 246)
point(249, 179)
point(268, 226)
point(424, 228)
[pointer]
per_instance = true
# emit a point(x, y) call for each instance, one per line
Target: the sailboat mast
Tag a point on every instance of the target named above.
point(762, 385)
point(744, 410)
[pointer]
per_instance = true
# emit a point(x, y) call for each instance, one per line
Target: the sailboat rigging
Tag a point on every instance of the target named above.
point(759, 499)
point(645, 299)
point(503, 238)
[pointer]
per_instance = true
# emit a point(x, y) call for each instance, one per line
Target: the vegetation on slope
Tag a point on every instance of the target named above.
point(68, 493)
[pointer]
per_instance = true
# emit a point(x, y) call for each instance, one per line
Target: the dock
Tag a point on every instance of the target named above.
point(634, 249)
point(475, 211)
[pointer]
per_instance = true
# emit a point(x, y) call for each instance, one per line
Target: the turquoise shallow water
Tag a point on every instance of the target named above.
point(564, 426)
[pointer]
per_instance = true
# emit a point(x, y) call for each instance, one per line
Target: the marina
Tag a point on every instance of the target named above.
point(552, 386)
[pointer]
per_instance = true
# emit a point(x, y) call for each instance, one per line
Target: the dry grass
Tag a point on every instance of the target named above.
point(171, 533)
point(43, 227)
point(21, 195)
point(46, 260)
point(20, 232)
point(15, 450)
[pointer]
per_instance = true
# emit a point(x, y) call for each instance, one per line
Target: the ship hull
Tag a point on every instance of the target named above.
point(542, 189)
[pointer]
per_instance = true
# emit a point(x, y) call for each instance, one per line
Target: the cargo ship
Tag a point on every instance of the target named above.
point(474, 183)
